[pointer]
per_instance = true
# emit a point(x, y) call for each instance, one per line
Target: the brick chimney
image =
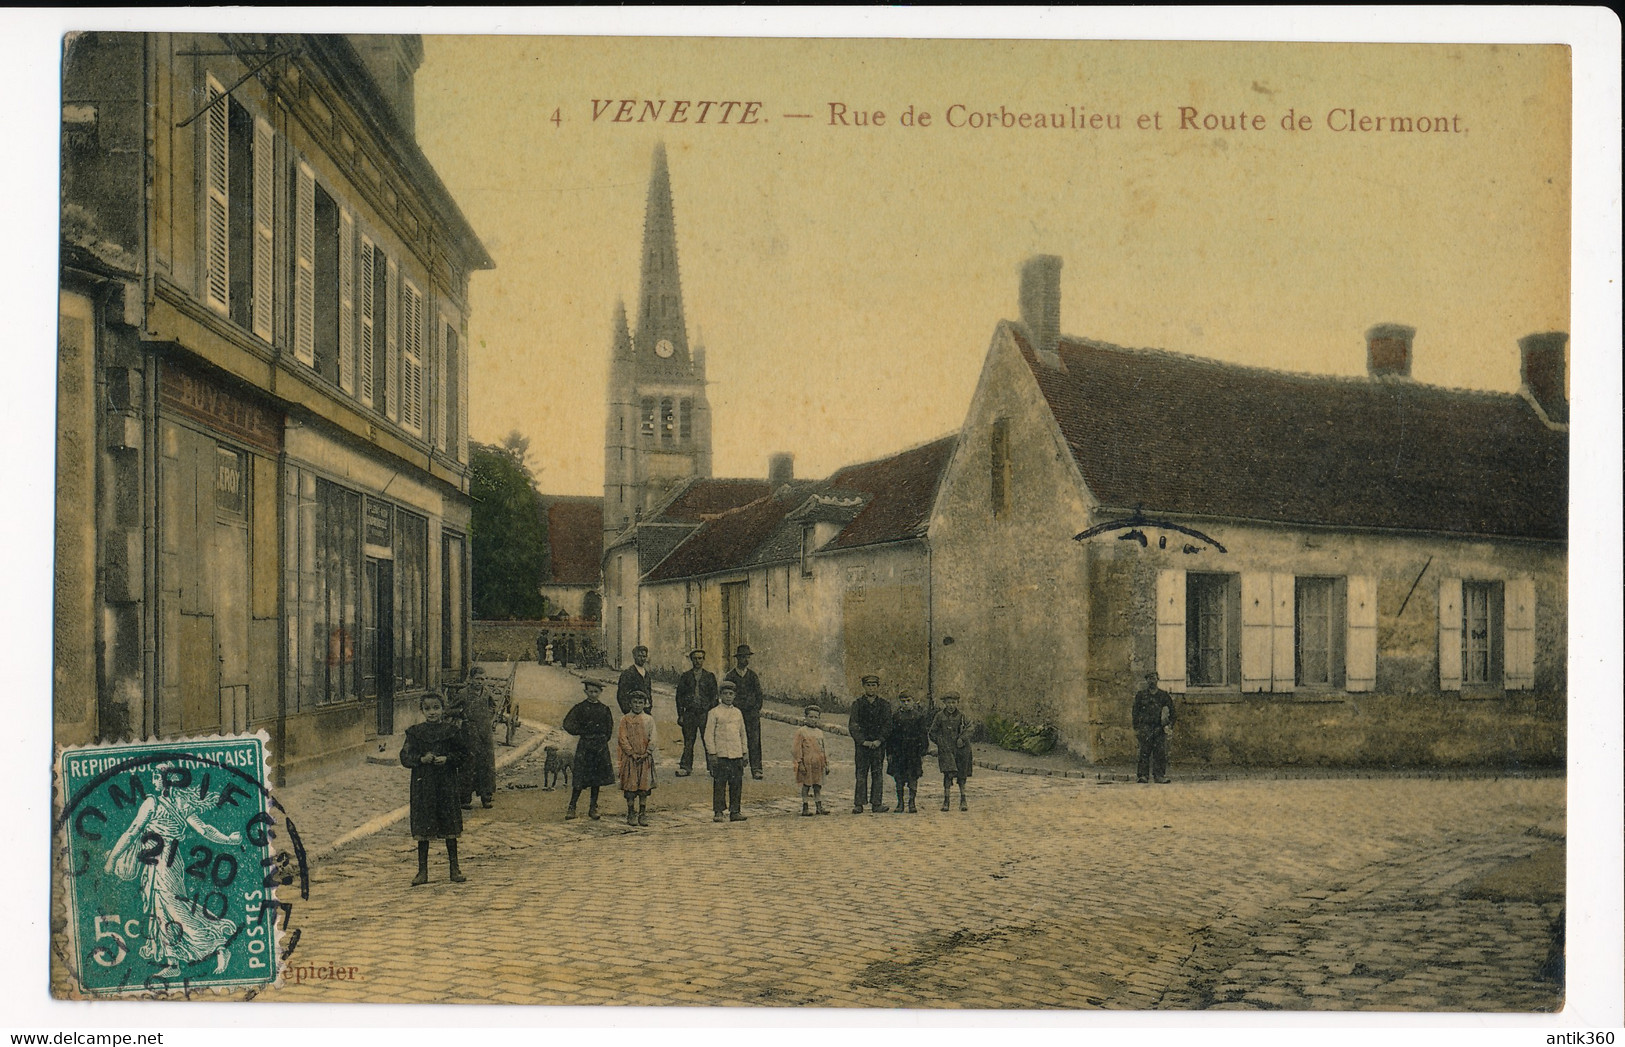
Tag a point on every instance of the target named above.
point(781, 469)
point(1545, 372)
point(1041, 305)
point(1388, 351)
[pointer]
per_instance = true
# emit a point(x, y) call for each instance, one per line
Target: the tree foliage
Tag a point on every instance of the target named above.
point(509, 532)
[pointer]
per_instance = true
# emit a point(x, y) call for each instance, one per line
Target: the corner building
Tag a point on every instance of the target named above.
point(263, 511)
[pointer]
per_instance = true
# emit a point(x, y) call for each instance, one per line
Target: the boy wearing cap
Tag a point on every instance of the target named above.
point(725, 746)
point(868, 723)
point(592, 723)
point(748, 700)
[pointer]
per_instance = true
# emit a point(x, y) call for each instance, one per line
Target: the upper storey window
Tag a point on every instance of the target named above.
point(238, 204)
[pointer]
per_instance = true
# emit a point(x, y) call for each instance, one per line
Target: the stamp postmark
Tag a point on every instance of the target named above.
point(170, 858)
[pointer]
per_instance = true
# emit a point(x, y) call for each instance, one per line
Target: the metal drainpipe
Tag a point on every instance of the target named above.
point(149, 408)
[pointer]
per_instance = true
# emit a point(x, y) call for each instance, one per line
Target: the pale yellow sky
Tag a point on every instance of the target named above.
point(846, 280)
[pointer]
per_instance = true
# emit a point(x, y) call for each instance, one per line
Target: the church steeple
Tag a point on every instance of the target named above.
point(661, 342)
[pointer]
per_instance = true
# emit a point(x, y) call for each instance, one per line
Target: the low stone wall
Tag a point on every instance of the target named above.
point(515, 641)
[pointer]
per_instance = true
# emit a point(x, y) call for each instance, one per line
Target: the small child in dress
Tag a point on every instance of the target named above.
point(951, 731)
point(635, 741)
point(811, 761)
point(435, 751)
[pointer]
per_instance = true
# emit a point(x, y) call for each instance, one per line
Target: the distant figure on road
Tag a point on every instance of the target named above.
point(634, 678)
point(748, 699)
point(635, 743)
point(435, 752)
point(906, 746)
point(726, 747)
point(951, 730)
point(696, 697)
point(541, 648)
point(1153, 719)
point(592, 723)
point(811, 760)
point(868, 723)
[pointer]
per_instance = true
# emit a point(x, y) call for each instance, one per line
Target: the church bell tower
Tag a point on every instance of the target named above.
point(658, 427)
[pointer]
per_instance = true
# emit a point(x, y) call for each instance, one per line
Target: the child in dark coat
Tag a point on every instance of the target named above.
point(906, 746)
point(592, 723)
point(435, 751)
point(951, 731)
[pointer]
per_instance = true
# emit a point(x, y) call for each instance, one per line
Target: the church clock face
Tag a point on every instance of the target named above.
point(664, 348)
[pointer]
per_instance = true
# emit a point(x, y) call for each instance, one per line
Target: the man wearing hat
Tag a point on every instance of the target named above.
point(592, 723)
point(635, 677)
point(868, 723)
point(1153, 716)
point(748, 699)
point(696, 697)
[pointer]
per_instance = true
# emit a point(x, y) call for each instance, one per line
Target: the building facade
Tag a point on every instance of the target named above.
point(1354, 571)
point(263, 511)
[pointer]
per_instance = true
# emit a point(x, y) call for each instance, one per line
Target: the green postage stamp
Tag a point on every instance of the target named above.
point(170, 855)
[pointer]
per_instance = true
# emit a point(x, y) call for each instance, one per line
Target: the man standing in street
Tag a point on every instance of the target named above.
point(748, 699)
point(1153, 718)
point(635, 677)
point(696, 697)
point(868, 723)
point(478, 712)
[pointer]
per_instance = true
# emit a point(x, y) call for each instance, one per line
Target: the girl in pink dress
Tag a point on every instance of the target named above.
point(635, 741)
point(811, 761)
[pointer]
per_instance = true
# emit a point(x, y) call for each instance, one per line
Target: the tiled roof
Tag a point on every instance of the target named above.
point(893, 498)
point(1181, 434)
point(575, 539)
point(705, 497)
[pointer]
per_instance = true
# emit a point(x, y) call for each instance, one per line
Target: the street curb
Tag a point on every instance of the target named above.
point(384, 821)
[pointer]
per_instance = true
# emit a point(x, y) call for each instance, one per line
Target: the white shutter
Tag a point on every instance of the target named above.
point(1284, 649)
point(347, 302)
point(439, 394)
point(1256, 631)
point(216, 202)
point(1360, 660)
point(1171, 630)
point(304, 287)
point(411, 357)
point(392, 350)
point(1518, 672)
point(369, 337)
point(264, 228)
point(1449, 634)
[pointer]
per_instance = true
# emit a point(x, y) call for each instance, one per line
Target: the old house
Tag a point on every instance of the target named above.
point(575, 549)
point(1323, 569)
point(262, 506)
point(825, 580)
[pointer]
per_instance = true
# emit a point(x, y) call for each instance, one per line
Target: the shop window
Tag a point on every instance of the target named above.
point(411, 586)
point(332, 611)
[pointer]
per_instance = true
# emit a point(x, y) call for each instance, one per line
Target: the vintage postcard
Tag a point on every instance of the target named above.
point(1010, 525)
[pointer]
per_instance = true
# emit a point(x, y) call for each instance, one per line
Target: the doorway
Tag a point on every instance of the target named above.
point(379, 628)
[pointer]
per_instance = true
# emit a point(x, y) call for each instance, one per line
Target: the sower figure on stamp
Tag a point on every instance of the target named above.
point(479, 771)
point(868, 723)
point(725, 748)
point(592, 723)
point(696, 697)
point(635, 678)
point(748, 700)
point(1153, 719)
point(951, 731)
point(435, 752)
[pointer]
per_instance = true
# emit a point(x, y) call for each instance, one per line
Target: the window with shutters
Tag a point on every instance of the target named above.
point(1212, 630)
point(1481, 646)
point(325, 271)
point(377, 343)
point(238, 205)
point(1319, 632)
point(411, 357)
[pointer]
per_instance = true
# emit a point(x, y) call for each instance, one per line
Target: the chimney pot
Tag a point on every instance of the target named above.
point(1545, 372)
point(780, 469)
point(1041, 303)
point(1388, 350)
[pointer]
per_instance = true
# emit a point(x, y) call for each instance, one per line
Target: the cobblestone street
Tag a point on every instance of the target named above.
point(1050, 892)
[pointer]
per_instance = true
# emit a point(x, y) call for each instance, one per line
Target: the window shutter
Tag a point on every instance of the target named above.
point(1171, 630)
point(439, 395)
point(392, 343)
point(1256, 631)
point(1361, 671)
point(369, 337)
point(217, 202)
point(304, 288)
point(1449, 634)
point(264, 228)
point(1518, 673)
point(411, 357)
point(347, 302)
point(1284, 649)
point(462, 395)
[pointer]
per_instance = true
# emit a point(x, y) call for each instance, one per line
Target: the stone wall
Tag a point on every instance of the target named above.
point(515, 641)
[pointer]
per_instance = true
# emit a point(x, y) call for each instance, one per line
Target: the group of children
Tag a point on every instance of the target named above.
point(436, 751)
